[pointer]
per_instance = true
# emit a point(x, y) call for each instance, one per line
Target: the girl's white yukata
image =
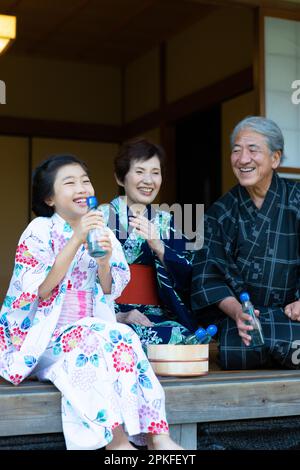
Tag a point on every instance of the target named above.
point(73, 340)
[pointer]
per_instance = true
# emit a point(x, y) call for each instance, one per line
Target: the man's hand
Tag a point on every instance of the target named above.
point(232, 307)
point(293, 310)
point(243, 328)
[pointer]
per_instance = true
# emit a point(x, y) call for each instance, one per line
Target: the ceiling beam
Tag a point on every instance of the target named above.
point(59, 25)
point(124, 21)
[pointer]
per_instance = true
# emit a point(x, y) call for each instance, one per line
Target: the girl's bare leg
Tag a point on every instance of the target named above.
point(120, 440)
point(162, 442)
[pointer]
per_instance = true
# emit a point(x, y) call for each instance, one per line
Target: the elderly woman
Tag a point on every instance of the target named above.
point(252, 243)
point(153, 303)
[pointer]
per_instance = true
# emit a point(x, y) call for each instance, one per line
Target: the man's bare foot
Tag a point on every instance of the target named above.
point(162, 442)
point(120, 440)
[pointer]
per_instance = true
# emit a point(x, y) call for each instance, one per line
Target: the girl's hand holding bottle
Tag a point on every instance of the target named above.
point(91, 220)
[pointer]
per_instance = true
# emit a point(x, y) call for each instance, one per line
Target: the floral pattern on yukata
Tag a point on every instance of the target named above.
point(97, 364)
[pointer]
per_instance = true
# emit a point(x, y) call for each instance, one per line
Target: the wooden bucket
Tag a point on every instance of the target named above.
point(180, 360)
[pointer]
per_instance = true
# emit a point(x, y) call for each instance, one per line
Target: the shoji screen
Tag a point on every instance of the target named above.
point(282, 68)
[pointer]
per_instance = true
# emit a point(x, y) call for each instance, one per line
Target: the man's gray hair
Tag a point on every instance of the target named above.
point(265, 127)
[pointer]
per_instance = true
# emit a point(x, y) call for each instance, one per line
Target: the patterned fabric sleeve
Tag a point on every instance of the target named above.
point(22, 334)
point(119, 269)
point(33, 261)
point(211, 267)
point(177, 259)
point(178, 264)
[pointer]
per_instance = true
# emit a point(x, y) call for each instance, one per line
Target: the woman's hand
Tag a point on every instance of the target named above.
point(90, 220)
point(133, 317)
point(149, 232)
point(243, 328)
point(293, 310)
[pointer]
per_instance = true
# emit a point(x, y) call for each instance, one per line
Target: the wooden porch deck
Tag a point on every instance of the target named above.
point(34, 407)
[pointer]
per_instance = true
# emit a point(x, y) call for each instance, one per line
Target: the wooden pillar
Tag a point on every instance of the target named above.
point(185, 435)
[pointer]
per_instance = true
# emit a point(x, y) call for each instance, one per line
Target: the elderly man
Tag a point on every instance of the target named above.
point(252, 243)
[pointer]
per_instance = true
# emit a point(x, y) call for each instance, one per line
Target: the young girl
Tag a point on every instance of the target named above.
point(58, 320)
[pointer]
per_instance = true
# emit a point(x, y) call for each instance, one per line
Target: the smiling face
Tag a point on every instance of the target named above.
point(143, 181)
point(252, 161)
point(71, 188)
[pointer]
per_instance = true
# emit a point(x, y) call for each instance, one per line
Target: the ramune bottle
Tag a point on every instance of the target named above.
point(257, 337)
point(94, 234)
point(201, 336)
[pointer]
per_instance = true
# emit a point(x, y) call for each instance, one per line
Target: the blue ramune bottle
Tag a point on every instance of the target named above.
point(94, 234)
point(201, 336)
point(257, 337)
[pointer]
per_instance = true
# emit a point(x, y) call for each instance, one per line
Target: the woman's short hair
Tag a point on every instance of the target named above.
point(134, 150)
point(43, 179)
point(266, 127)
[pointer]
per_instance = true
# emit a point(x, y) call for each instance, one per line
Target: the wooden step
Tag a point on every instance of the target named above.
point(35, 408)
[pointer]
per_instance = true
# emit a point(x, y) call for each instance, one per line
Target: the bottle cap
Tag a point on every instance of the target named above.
point(200, 333)
point(244, 297)
point(92, 202)
point(211, 330)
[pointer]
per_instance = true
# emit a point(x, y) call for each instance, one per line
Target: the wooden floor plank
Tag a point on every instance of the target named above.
point(34, 407)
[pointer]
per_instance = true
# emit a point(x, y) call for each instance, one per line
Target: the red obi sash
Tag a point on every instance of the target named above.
point(142, 287)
